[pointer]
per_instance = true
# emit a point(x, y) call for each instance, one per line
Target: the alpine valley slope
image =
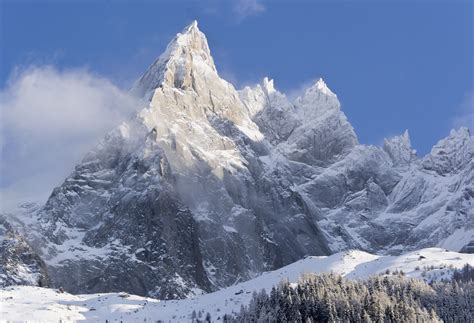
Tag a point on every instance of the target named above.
point(208, 186)
point(48, 305)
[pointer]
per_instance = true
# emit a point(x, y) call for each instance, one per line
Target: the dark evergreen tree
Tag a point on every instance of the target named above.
point(331, 298)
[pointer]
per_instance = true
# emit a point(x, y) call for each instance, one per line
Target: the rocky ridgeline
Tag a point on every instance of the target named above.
point(208, 186)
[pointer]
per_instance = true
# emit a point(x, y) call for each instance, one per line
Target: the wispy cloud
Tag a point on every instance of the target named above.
point(465, 113)
point(49, 119)
point(246, 8)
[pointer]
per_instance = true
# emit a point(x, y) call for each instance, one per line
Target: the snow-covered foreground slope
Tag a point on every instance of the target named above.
point(34, 303)
point(207, 185)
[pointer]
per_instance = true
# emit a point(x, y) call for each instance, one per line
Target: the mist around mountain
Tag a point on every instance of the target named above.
point(207, 186)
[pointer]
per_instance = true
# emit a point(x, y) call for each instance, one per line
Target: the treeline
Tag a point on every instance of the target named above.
point(381, 299)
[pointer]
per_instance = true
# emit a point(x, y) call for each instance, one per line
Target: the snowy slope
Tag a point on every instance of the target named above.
point(207, 186)
point(34, 303)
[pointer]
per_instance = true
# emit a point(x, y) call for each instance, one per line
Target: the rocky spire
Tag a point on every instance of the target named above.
point(322, 87)
point(451, 153)
point(186, 55)
point(399, 149)
point(267, 86)
point(316, 100)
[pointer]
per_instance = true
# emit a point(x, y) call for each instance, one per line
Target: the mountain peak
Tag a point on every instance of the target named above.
point(191, 36)
point(405, 138)
point(267, 85)
point(451, 153)
point(462, 132)
point(406, 135)
point(399, 149)
point(321, 87)
point(186, 54)
point(191, 27)
point(317, 98)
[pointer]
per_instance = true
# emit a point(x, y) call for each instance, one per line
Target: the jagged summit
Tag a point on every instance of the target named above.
point(193, 26)
point(406, 135)
point(462, 132)
point(318, 92)
point(317, 100)
point(399, 149)
point(322, 87)
point(312, 129)
point(207, 186)
point(451, 153)
point(315, 91)
point(191, 40)
point(267, 85)
point(187, 55)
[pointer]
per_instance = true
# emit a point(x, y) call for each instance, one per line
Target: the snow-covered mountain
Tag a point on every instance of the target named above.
point(208, 186)
point(19, 263)
point(49, 305)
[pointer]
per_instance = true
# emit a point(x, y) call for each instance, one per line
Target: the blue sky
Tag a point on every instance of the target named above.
point(394, 65)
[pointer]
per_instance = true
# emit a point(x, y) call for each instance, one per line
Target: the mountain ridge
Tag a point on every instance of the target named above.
point(207, 186)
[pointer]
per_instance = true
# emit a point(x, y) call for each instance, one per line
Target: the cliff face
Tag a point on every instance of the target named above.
point(208, 186)
point(19, 263)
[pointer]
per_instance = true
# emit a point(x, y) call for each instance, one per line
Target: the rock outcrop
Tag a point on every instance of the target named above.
point(207, 186)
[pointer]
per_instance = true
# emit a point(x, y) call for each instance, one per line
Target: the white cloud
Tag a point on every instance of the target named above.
point(465, 114)
point(49, 119)
point(246, 8)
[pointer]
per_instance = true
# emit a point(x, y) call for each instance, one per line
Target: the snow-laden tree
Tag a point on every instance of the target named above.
point(381, 299)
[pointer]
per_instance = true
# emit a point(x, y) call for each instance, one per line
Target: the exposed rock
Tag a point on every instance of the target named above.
point(19, 264)
point(399, 149)
point(207, 186)
point(451, 154)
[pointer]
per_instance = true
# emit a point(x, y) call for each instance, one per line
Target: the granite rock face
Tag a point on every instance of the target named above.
point(207, 186)
point(19, 263)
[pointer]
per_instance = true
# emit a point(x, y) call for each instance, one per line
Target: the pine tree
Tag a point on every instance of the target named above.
point(330, 298)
